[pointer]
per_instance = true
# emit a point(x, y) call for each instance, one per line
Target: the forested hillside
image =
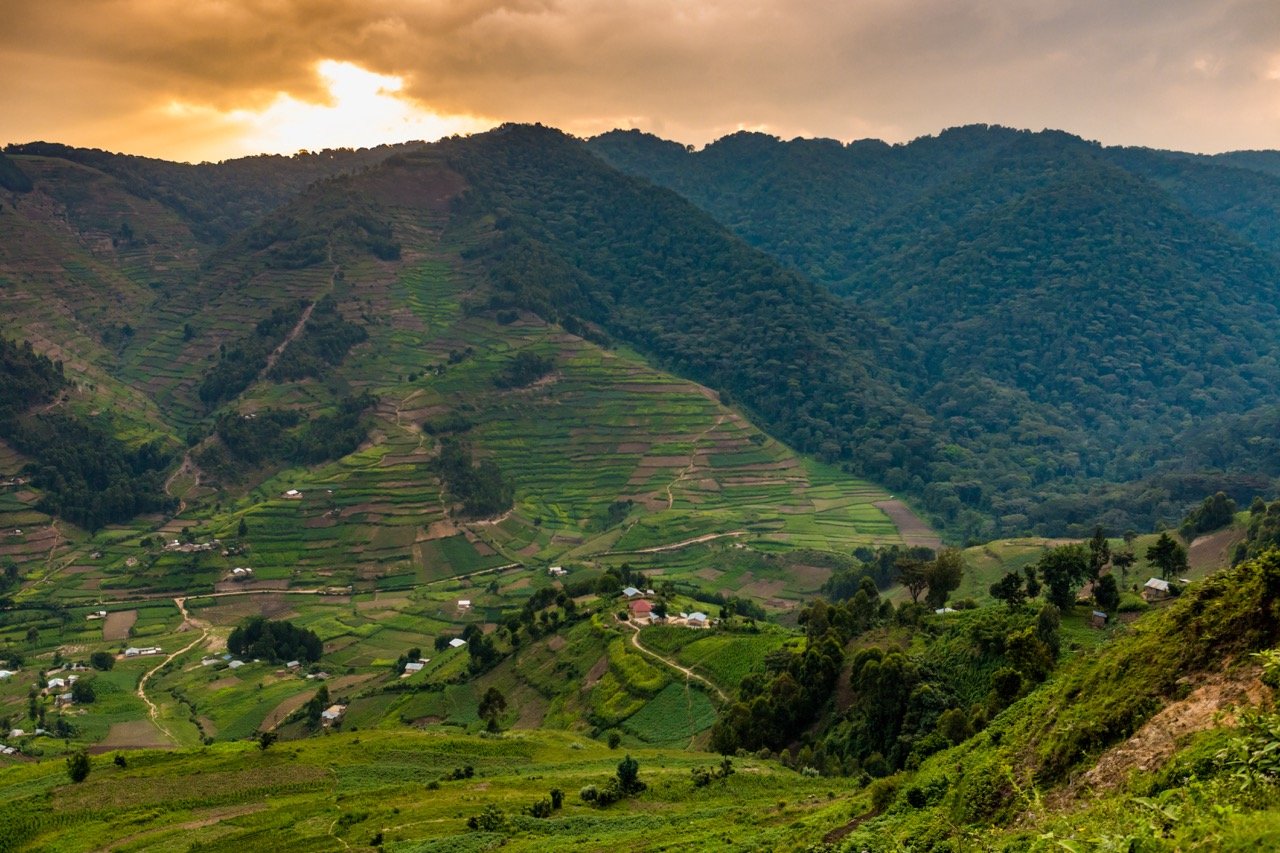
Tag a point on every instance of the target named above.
point(1074, 317)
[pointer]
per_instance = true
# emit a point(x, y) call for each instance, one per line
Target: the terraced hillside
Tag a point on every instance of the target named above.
point(326, 480)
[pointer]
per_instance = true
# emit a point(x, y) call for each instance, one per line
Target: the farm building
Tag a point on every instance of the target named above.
point(1098, 619)
point(414, 666)
point(1155, 590)
point(631, 592)
point(557, 572)
point(333, 714)
point(456, 643)
point(464, 604)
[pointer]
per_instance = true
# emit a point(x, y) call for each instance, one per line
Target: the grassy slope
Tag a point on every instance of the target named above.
point(339, 791)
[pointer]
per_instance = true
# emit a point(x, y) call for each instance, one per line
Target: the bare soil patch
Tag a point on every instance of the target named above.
point(135, 734)
point(597, 671)
point(1213, 551)
point(116, 626)
point(809, 577)
point(910, 526)
point(1209, 704)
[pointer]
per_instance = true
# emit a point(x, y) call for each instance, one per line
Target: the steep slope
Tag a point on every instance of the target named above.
point(1072, 313)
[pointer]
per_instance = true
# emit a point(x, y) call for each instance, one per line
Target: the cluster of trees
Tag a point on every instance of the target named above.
point(480, 487)
point(88, 476)
point(259, 637)
point(337, 216)
point(26, 378)
point(524, 369)
point(908, 705)
point(239, 365)
point(275, 436)
point(1212, 514)
point(324, 343)
point(624, 783)
point(771, 707)
point(1263, 532)
point(919, 569)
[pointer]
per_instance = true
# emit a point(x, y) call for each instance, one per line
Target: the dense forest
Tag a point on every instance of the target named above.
point(1073, 317)
point(88, 476)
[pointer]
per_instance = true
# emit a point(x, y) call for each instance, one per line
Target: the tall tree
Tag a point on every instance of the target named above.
point(943, 575)
point(1099, 553)
point(1169, 556)
point(492, 704)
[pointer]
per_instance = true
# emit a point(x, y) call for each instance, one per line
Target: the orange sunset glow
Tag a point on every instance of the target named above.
point(209, 80)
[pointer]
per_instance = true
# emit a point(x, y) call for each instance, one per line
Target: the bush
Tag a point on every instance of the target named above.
point(882, 792)
point(78, 766)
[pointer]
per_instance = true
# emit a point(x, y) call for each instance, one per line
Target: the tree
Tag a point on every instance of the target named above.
point(629, 776)
point(1106, 592)
point(1063, 569)
point(1123, 560)
point(492, 705)
point(943, 575)
point(82, 692)
point(1033, 582)
point(78, 766)
point(1009, 590)
point(1099, 553)
point(266, 739)
point(243, 529)
point(102, 660)
point(911, 574)
point(1169, 556)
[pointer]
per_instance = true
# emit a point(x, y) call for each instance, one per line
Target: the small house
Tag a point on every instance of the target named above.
point(64, 699)
point(557, 571)
point(1097, 619)
point(236, 664)
point(57, 683)
point(1155, 590)
point(631, 592)
point(640, 608)
point(210, 661)
point(7, 673)
point(292, 495)
point(414, 666)
point(697, 620)
point(464, 604)
point(293, 664)
point(333, 714)
point(457, 643)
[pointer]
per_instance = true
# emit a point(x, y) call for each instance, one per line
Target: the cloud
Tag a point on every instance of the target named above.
point(1191, 74)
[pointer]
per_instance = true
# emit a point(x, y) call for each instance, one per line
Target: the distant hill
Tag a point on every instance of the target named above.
point(1073, 316)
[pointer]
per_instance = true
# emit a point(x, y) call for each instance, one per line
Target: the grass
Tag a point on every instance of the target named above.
point(341, 790)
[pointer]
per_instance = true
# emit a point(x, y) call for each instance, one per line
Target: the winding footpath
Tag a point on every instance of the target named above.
point(152, 711)
point(688, 673)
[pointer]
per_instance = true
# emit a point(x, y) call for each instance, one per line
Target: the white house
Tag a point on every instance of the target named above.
point(333, 713)
point(57, 683)
point(457, 643)
point(631, 592)
point(236, 664)
point(414, 666)
point(464, 604)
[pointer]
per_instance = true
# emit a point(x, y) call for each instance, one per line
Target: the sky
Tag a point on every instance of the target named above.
point(213, 79)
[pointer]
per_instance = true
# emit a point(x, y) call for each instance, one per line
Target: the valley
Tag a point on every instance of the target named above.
point(374, 494)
